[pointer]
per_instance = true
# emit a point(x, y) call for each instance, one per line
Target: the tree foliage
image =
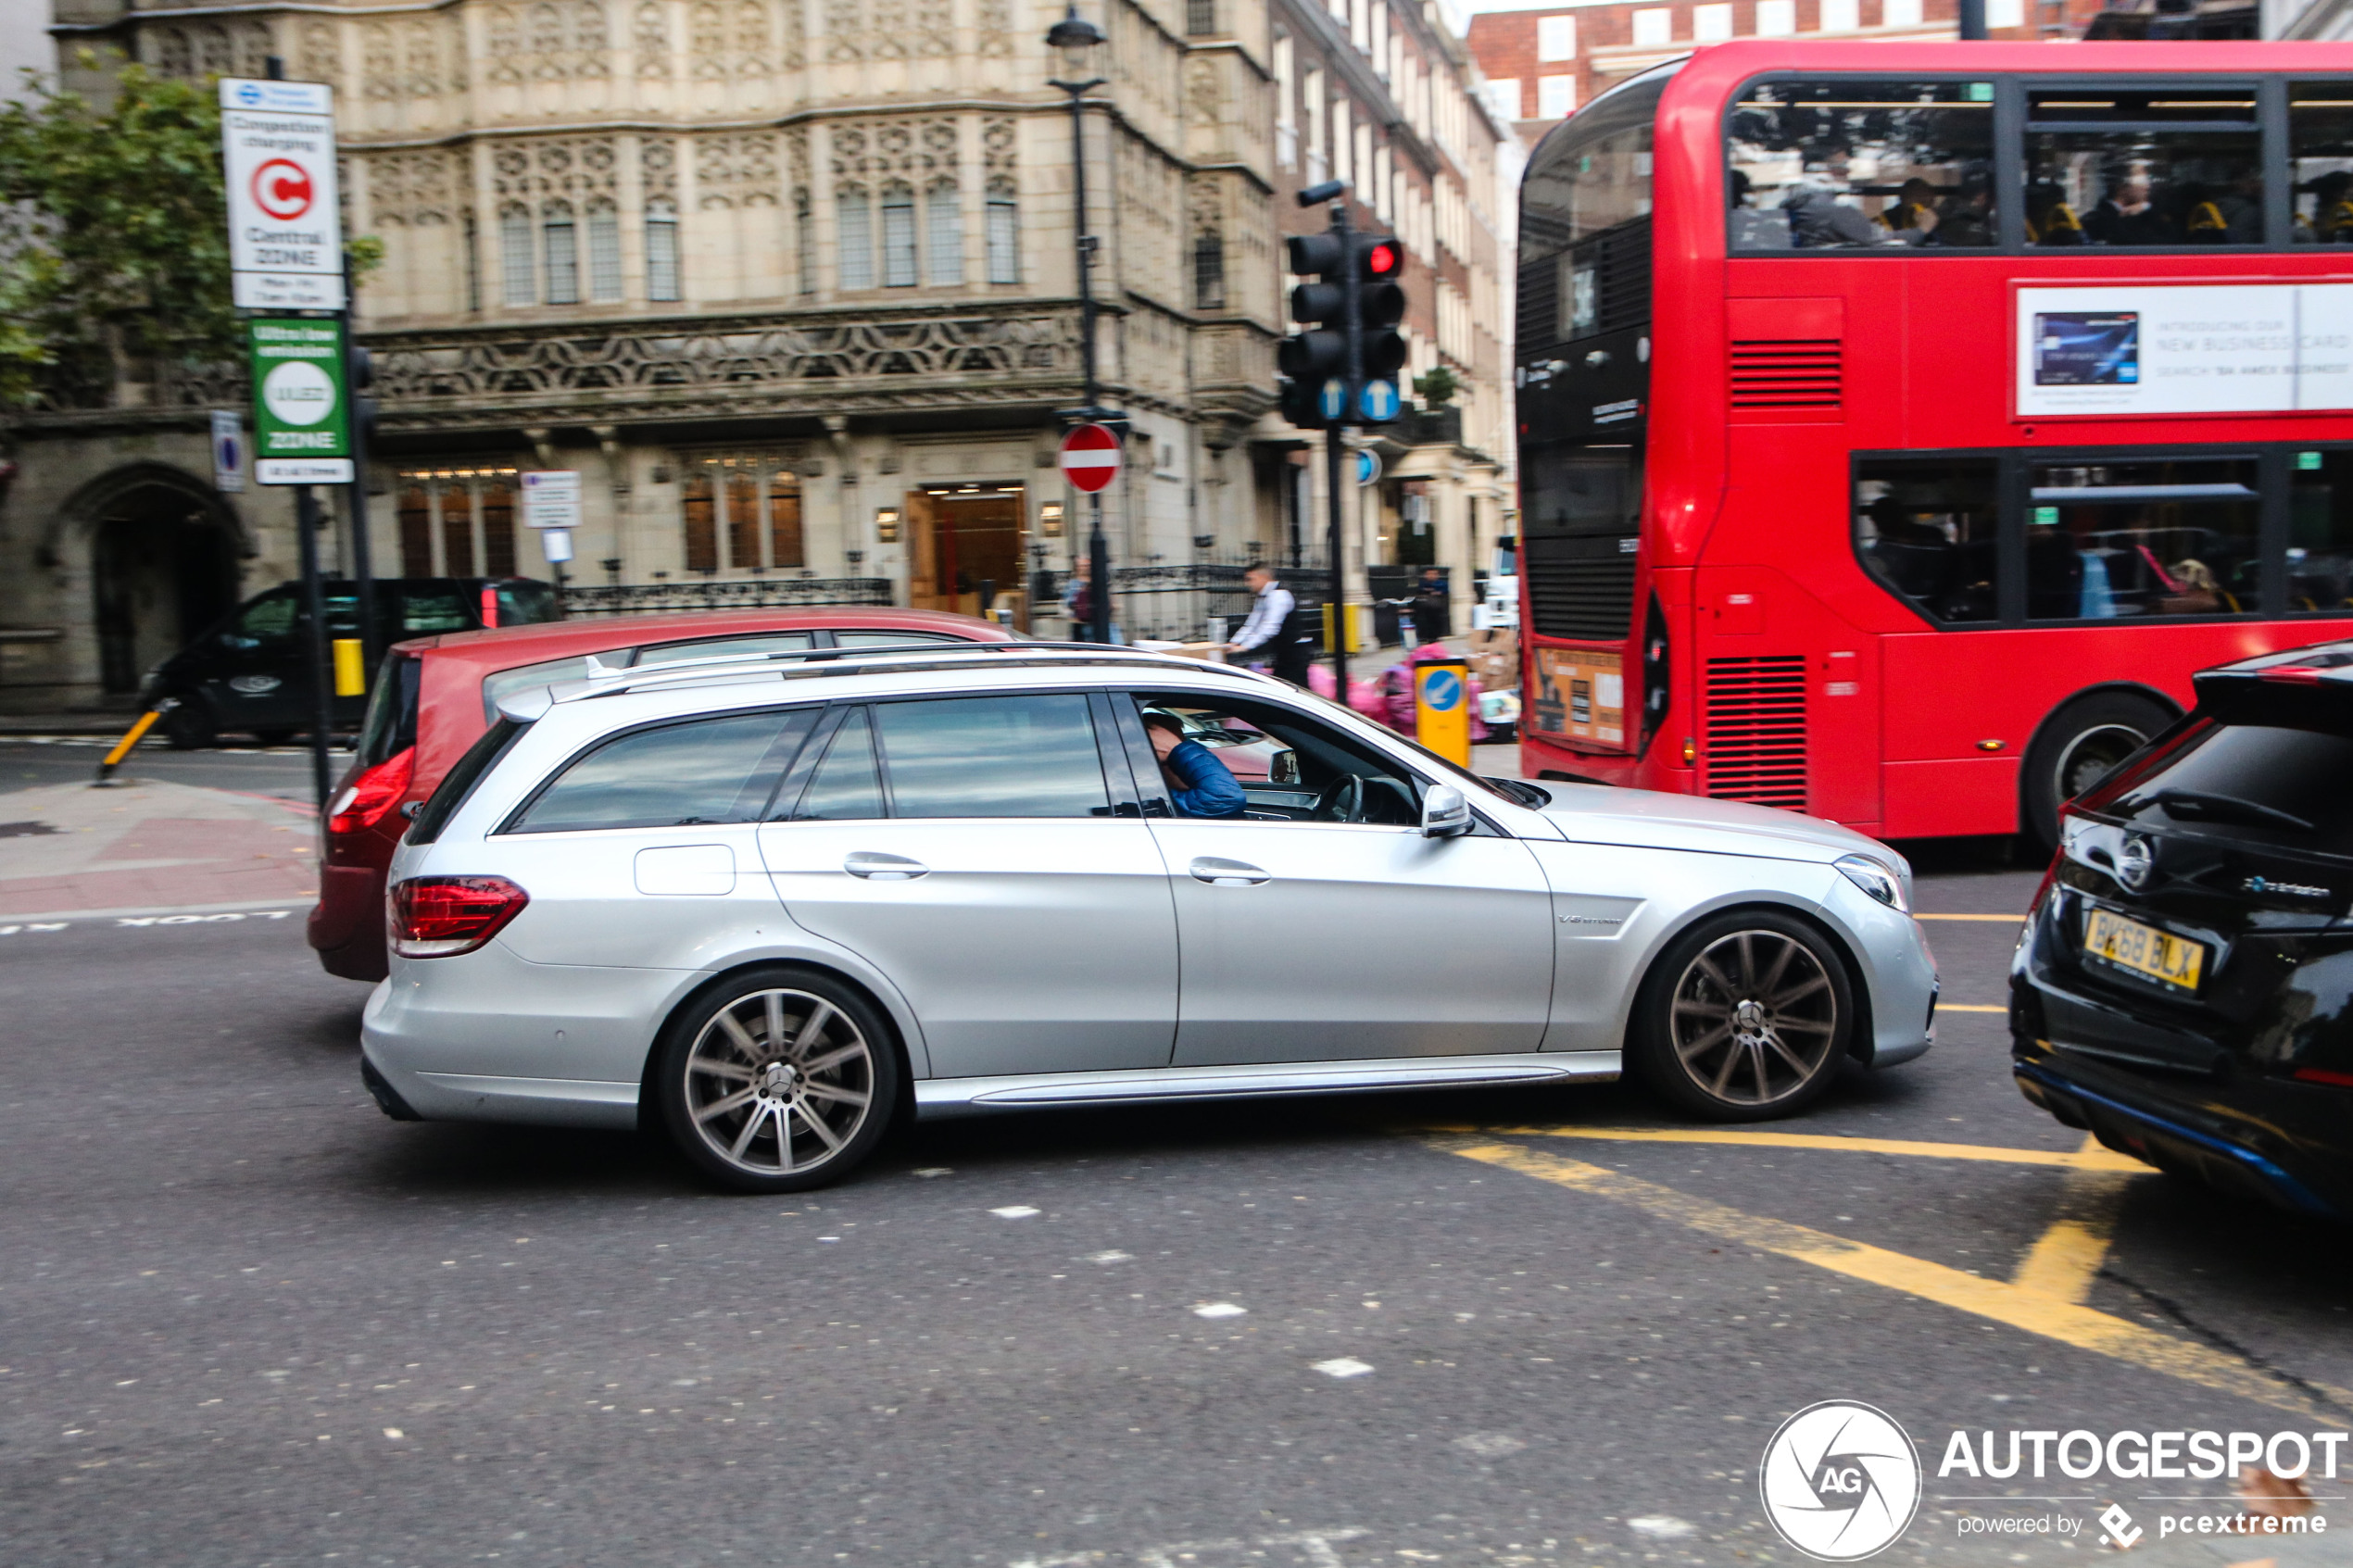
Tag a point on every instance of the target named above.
point(113, 241)
point(1438, 388)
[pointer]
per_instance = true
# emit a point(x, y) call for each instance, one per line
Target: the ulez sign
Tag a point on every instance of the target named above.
point(301, 412)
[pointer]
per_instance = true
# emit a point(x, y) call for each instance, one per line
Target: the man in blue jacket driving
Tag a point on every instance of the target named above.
point(1199, 784)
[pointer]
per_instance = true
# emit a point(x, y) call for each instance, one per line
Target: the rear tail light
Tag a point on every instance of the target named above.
point(436, 916)
point(367, 798)
point(2325, 1075)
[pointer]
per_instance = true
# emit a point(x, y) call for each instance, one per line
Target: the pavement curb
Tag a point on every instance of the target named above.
point(155, 910)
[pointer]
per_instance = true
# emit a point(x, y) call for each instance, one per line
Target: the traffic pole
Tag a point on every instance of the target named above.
point(362, 555)
point(1335, 452)
point(1097, 572)
point(123, 748)
point(314, 606)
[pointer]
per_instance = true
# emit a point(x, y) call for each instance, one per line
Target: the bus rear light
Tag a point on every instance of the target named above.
point(367, 798)
point(440, 917)
point(2325, 1075)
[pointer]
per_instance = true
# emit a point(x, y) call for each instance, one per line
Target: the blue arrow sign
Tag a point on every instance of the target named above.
point(1442, 689)
point(1334, 401)
point(1379, 400)
point(1367, 467)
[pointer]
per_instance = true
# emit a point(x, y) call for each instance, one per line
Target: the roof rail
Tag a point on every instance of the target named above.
point(805, 663)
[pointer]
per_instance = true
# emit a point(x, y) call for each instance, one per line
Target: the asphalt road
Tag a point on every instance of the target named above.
point(283, 771)
point(246, 1320)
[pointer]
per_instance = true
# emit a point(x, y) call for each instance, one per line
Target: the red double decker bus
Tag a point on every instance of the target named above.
point(1901, 424)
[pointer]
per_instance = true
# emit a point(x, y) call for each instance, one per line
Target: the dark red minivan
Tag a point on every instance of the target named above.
point(433, 695)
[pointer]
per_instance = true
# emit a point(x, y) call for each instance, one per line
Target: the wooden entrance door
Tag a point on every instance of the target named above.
point(959, 547)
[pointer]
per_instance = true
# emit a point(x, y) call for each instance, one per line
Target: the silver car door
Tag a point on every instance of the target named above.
point(643, 852)
point(968, 849)
point(1308, 941)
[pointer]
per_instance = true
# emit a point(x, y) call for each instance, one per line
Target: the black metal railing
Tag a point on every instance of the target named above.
point(582, 601)
point(1174, 601)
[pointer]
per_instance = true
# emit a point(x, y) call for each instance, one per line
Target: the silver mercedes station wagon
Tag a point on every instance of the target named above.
point(770, 905)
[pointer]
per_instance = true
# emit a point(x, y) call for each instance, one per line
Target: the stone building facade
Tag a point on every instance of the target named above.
point(792, 284)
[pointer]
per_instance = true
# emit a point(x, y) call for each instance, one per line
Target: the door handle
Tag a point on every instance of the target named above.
point(883, 868)
point(1226, 873)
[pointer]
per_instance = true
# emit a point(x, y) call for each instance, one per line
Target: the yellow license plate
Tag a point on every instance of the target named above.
point(2143, 949)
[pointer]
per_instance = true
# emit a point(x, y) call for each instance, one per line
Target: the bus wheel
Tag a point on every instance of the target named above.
point(2076, 748)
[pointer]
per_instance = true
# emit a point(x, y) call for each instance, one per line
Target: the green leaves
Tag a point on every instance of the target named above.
point(116, 235)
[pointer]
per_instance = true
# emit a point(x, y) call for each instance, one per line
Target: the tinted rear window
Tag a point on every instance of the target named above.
point(718, 770)
point(2279, 788)
point(522, 603)
point(459, 781)
point(391, 725)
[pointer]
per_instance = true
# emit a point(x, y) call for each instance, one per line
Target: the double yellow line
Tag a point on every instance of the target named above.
point(2045, 1296)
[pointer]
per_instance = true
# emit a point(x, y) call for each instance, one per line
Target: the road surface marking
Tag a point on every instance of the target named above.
point(2066, 1259)
point(2089, 1158)
point(1998, 1300)
point(1968, 1006)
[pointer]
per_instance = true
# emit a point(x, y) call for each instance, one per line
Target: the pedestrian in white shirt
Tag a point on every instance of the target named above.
point(1269, 635)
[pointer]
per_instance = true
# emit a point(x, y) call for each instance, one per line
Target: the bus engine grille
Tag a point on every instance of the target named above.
point(1574, 591)
point(1791, 373)
point(1755, 728)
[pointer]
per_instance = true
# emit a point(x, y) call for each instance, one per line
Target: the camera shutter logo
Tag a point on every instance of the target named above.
point(1840, 1481)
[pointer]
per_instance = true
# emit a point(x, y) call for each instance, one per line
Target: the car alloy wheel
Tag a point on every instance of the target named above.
point(779, 1081)
point(1743, 1017)
point(782, 1079)
point(1754, 1018)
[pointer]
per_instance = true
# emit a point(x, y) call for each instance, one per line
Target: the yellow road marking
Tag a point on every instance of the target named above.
point(2012, 919)
point(2066, 1258)
point(2091, 1157)
point(1968, 1006)
point(1997, 1301)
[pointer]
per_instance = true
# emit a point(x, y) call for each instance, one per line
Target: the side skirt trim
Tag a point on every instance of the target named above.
point(966, 1097)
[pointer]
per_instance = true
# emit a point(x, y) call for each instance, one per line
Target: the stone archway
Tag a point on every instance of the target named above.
point(163, 550)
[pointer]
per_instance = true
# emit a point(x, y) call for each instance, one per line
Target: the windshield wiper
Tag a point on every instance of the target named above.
point(2206, 803)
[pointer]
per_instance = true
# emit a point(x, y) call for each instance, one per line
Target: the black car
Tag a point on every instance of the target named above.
point(250, 670)
point(2184, 988)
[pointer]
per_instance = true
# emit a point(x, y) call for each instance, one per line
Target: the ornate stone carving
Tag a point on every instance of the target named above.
point(652, 41)
point(320, 58)
point(736, 170)
point(845, 31)
point(888, 40)
point(379, 67)
point(591, 45)
point(754, 43)
point(964, 359)
point(796, 35)
point(997, 142)
point(909, 149)
point(935, 29)
point(707, 41)
point(409, 189)
point(658, 168)
point(505, 38)
point(994, 20)
point(575, 167)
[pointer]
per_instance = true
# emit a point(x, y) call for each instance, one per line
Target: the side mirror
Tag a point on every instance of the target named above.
point(1283, 767)
point(1446, 812)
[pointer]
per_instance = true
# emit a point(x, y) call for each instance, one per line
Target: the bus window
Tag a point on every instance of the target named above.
point(1584, 231)
point(1582, 491)
point(2320, 538)
point(1857, 164)
point(1926, 528)
point(2320, 128)
point(2149, 167)
point(2107, 540)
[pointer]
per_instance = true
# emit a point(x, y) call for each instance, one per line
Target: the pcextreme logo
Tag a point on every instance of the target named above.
point(1840, 1481)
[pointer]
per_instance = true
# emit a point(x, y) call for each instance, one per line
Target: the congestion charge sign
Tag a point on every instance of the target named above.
point(302, 424)
point(285, 235)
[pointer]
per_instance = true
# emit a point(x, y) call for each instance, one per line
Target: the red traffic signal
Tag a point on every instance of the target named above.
point(1381, 257)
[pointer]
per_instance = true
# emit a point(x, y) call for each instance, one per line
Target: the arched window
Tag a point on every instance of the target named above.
point(515, 261)
point(604, 253)
point(853, 238)
point(1209, 273)
point(899, 237)
point(563, 254)
point(1004, 234)
point(944, 231)
point(661, 250)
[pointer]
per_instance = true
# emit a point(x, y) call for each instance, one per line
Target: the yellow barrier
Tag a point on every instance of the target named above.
point(351, 670)
point(123, 748)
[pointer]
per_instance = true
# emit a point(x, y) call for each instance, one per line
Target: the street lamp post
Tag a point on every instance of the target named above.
point(1077, 38)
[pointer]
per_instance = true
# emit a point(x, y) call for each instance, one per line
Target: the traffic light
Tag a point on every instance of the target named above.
point(1311, 359)
point(360, 376)
point(1378, 262)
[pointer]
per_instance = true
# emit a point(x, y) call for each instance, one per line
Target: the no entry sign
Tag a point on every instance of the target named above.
point(285, 235)
point(1090, 457)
